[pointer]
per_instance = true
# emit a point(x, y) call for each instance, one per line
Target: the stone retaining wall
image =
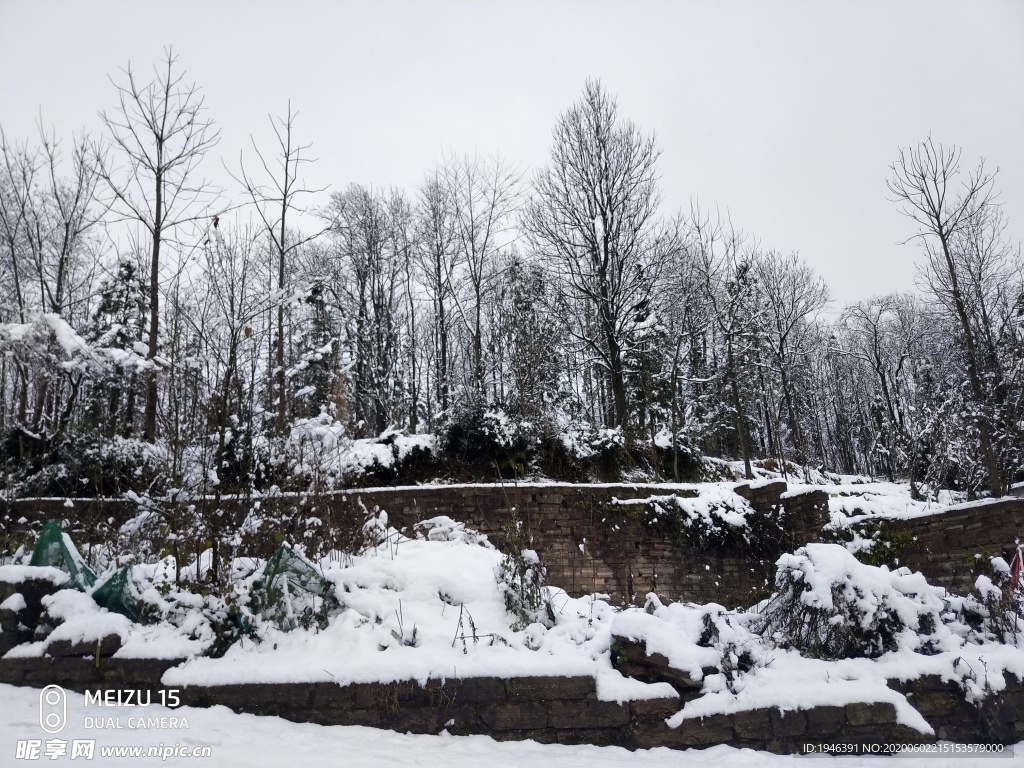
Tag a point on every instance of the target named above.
point(951, 548)
point(563, 710)
point(590, 545)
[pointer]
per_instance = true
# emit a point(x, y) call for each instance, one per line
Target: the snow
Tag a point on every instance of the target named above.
point(82, 622)
point(780, 679)
point(611, 686)
point(419, 609)
point(433, 607)
point(330, 452)
point(851, 504)
point(66, 336)
point(185, 631)
point(15, 331)
point(16, 574)
point(672, 631)
point(791, 682)
point(14, 603)
point(78, 352)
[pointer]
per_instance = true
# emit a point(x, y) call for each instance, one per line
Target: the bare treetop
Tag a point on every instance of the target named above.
point(924, 180)
point(160, 134)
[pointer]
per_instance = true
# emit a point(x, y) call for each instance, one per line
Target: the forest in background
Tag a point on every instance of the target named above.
point(160, 338)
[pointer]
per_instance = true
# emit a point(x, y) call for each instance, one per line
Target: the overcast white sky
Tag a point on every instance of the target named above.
point(787, 114)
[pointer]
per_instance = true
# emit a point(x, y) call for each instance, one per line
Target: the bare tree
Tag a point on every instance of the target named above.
point(483, 196)
point(276, 205)
point(593, 217)
point(435, 256)
point(793, 295)
point(160, 134)
point(958, 224)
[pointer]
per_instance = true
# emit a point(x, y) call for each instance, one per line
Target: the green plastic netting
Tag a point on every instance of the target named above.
point(291, 592)
point(118, 594)
point(55, 548)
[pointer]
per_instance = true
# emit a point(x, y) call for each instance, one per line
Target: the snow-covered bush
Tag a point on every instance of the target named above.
point(829, 605)
point(716, 518)
point(91, 466)
point(1002, 602)
point(320, 455)
point(489, 444)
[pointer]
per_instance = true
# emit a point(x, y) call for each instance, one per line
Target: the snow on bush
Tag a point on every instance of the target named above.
point(716, 518)
point(829, 605)
point(1002, 601)
point(321, 448)
point(714, 509)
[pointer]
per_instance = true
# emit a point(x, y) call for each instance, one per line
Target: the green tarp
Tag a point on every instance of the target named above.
point(55, 548)
point(291, 592)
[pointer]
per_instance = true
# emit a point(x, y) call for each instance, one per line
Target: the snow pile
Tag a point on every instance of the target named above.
point(16, 574)
point(78, 619)
point(443, 528)
point(681, 632)
point(417, 609)
point(14, 603)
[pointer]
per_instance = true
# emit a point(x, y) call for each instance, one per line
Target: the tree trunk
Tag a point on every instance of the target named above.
point(152, 392)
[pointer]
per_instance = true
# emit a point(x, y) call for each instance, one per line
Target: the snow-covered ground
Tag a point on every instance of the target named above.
point(435, 607)
point(248, 741)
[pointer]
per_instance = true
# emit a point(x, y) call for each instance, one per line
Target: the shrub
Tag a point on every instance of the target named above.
point(488, 445)
point(84, 467)
point(829, 605)
point(521, 579)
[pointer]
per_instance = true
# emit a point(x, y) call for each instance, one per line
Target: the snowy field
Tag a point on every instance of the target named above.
point(248, 741)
